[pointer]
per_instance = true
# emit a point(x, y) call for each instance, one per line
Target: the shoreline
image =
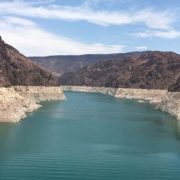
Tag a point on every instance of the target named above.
point(163, 100)
point(17, 101)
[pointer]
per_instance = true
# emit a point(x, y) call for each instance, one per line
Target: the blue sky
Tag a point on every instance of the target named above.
point(51, 27)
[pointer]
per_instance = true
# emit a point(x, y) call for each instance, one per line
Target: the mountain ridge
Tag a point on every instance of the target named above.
point(60, 64)
point(16, 69)
point(147, 70)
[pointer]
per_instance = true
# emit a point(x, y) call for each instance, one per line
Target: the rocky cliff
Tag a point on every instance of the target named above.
point(16, 69)
point(175, 86)
point(171, 103)
point(147, 70)
point(23, 85)
point(17, 101)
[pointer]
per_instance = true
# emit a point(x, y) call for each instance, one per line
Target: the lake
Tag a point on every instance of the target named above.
point(91, 136)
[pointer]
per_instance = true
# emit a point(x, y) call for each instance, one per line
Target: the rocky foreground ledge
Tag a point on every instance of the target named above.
point(162, 99)
point(16, 101)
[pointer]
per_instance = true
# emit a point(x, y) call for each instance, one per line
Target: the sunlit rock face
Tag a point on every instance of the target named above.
point(144, 70)
point(16, 69)
point(171, 104)
point(18, 100)
point(23, 85)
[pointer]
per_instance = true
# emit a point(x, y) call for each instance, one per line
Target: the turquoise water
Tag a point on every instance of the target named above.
point(91, 136)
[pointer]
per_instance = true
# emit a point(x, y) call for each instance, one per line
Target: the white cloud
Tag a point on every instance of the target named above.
point(141, 48)
point(34, 41)
point(108, 2)
point(8, 20)
point(148, 17)
point(169, 34)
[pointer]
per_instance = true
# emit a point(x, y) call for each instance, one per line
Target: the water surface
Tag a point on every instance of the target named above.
point(91, 136)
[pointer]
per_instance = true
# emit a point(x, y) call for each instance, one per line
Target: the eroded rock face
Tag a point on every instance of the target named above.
point(17, 101)
point(16, 69)
point(175, 86)
point(23, 85)
point(171, 104)
point(148, 70)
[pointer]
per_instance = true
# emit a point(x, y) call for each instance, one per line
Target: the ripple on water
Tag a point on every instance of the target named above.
point(91, 136)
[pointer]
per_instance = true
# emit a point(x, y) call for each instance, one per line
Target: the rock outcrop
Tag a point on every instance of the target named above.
point(171, 104)
point(17, 101)
point(18, 70)
point(175, 86)
point(23, 85)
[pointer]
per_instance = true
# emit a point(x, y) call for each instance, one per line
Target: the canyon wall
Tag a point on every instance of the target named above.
point(162, 99)
point(171, 104)
point(17, 101)
point(23, 85)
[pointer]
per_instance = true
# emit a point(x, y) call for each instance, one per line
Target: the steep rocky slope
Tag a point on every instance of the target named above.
point(148, 70)
point(175, 86)
point(62, 64)
point(16, 69)
point(23, 85)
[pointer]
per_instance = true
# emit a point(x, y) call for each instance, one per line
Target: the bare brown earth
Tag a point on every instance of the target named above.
point(147, 70)
point(16, 69)
point(69, 63)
